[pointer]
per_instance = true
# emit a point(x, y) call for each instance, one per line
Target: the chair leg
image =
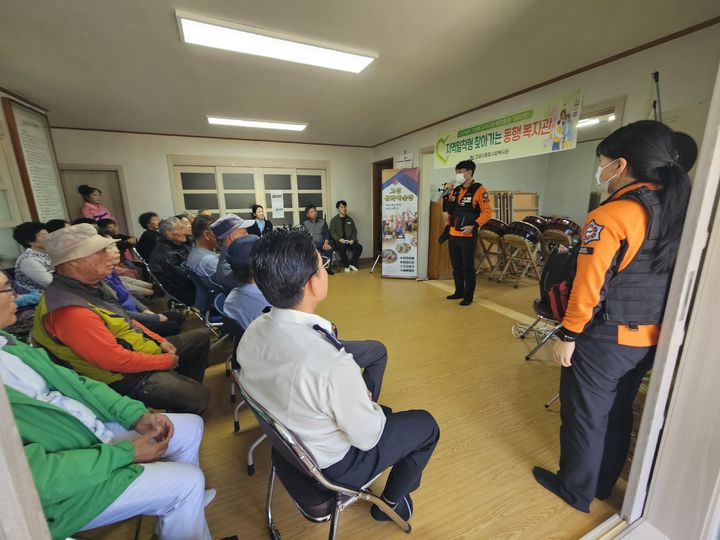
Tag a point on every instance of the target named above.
point(250, 461)
point(529, 328)
point(274, 533)
point(138, 527)
point(335, 519)
point(219, 340)
point(233, 399)
point(553, 400)
point(228, 364)
point(236, 415)
point(543, 341)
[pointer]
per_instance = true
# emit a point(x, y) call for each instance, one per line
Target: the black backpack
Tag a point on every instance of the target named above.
point(556, 281)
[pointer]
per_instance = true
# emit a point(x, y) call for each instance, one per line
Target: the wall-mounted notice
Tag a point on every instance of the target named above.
point(276, 200)
point(35, 155)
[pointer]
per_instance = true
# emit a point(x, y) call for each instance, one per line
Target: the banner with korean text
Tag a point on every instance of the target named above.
point(543, 128)
point(399, 191)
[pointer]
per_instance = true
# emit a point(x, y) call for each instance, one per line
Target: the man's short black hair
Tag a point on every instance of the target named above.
point(145, 217)
point(310, 207)
point(340, 203)
point(282, 262)
point(27, 232)
point(104, 222)
point(87, 220)
point(467, 164)
point(55, 225)
point(243, 275)
point(201, 224)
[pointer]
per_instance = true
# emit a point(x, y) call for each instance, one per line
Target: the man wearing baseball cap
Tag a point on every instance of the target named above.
point(226, 229)
point(79, 322)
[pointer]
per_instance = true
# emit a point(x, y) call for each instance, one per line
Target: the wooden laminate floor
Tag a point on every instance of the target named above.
point(464, 366)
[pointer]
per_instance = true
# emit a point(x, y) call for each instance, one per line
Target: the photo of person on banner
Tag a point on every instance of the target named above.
point(468, 208)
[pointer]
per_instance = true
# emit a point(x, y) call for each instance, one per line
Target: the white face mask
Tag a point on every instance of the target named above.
point(604, 186)
point(460, 177)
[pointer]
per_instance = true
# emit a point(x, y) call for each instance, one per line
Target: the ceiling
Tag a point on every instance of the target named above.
point(120, 65)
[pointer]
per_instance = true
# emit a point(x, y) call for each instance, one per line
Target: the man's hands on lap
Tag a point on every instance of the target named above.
point(155, 432)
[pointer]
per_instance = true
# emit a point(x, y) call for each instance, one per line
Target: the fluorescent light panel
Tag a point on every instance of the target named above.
point(240, 122)
point(249, 40)
point(588, 122)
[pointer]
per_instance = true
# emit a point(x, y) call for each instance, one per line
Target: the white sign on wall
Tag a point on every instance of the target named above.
point(276, 200)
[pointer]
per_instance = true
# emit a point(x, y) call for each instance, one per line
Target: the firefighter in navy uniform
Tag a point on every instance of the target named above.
point(612, 323)
point(468, 208)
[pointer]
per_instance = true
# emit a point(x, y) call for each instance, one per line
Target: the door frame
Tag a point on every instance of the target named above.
point(377, 168)
point(129, 225)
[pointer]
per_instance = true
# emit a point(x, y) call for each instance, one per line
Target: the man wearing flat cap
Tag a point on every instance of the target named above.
point(246, 302)
point(226, 229)
point(79, 323)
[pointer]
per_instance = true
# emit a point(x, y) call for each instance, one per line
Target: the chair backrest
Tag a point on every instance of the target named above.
point(205, 291)
point(230, 325)
point(286, 443)
point(219, 286)
point(150, 274)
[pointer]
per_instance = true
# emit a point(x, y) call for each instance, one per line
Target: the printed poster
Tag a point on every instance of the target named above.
point(276, 200)
point(543, 128)
point(399, 222)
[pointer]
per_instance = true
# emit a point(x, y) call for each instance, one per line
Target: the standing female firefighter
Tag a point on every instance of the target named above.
point(611, 327)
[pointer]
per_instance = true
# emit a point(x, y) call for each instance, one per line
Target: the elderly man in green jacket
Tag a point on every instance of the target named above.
point(98, 457)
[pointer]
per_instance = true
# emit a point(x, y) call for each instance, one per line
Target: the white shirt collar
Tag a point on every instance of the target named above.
point(300, 317)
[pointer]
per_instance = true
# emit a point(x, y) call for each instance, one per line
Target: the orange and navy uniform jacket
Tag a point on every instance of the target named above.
point(605, 230)
point(480, 201)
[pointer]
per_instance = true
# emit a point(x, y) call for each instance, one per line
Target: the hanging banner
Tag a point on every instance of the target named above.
point(399, 191)
point(543, 128)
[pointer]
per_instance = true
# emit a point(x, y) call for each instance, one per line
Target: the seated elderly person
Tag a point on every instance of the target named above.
point(164, 324)
point(295, 367)
point(97, 457)
point(149, 221)
point(80, 324)
point(318, 228)
point(203, 258)
point(33, 268)
point(246, 302)
point(226, 229)
point(170, 251)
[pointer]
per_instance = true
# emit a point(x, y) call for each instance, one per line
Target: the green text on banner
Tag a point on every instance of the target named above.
point(546, 127)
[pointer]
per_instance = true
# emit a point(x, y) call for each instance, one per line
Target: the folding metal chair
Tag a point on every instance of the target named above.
point(318, 499)
point(205, 293)
point(174, 303)
point(543, 315)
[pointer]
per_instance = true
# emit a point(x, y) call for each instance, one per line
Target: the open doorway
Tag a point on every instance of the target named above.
point(378, 167)
point(106, 180)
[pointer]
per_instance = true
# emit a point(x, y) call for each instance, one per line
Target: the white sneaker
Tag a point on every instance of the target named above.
point(354, 269)
point(347, 269)
point(209, 496)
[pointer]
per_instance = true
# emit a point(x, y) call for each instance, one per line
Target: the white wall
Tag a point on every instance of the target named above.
point(143, 159)
point(687, 69)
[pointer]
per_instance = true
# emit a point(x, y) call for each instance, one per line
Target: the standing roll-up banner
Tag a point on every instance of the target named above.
point(399, 222)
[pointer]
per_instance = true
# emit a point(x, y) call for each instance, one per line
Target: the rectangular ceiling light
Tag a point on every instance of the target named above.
point(588, 122)
point(240, 122)
point(250, 40)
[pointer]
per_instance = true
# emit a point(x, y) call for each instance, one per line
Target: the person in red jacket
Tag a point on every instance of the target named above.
point(79, 322)
point(612, 323)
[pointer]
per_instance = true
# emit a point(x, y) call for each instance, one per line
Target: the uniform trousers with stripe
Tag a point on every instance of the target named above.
point(597, 394)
